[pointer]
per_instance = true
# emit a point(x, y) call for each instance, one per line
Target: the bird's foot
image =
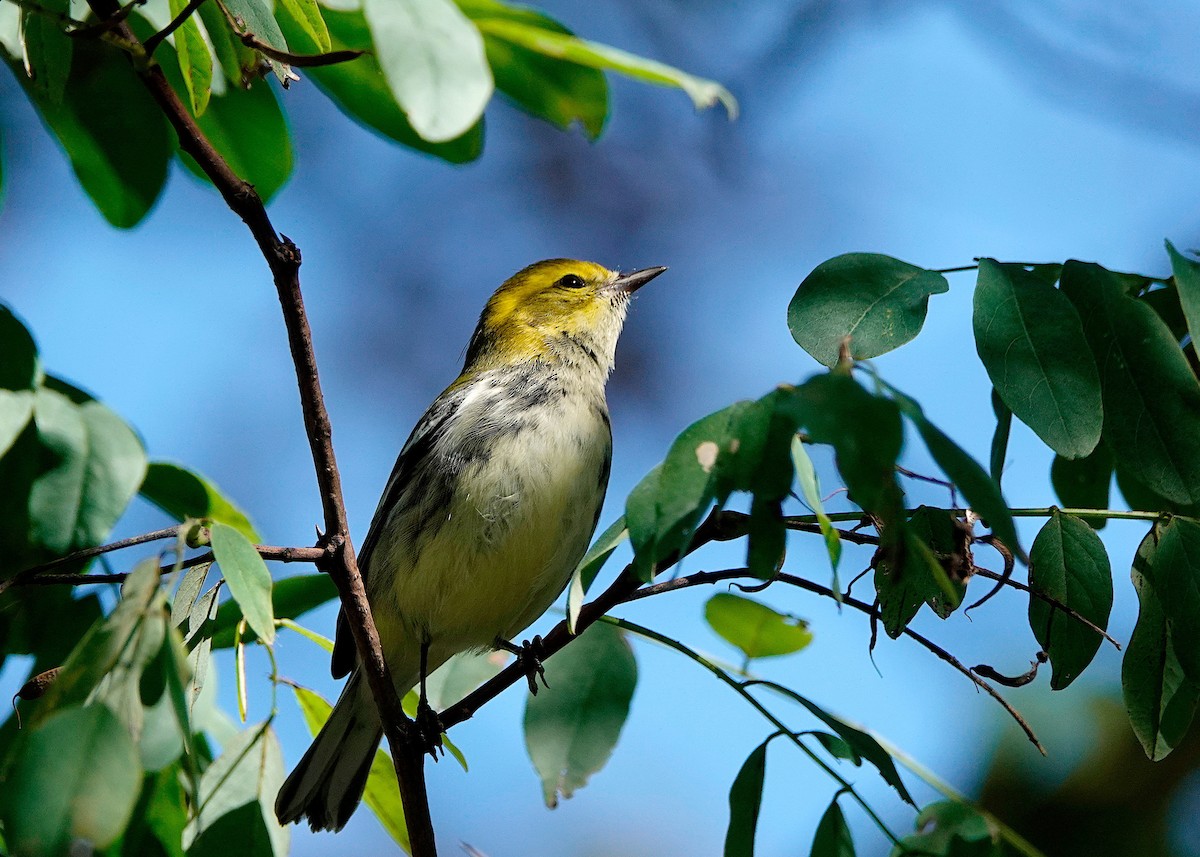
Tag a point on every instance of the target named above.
point(429, 730)
point(530, 655)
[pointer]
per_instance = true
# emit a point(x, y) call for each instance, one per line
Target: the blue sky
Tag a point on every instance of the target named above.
point(1024, 131)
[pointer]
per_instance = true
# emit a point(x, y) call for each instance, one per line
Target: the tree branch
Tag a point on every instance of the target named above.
point(283, 258)
point(709, 577)
point(271, 552)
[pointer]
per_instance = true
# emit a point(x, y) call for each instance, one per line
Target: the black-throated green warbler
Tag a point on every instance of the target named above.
point(489, 508)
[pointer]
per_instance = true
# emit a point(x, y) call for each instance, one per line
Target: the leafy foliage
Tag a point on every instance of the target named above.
point(117, 745)
point(572, 726)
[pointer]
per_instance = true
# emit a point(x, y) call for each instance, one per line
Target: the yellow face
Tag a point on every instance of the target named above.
point(549, 302)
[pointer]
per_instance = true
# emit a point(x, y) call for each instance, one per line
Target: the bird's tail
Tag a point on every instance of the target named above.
point(328, 783)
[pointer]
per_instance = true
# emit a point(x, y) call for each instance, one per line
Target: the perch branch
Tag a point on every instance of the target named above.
point(283, 258)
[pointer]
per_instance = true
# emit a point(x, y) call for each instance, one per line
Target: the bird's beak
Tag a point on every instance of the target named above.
point(631, 282)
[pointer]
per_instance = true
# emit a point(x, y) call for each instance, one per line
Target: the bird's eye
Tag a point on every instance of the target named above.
point(571, 281)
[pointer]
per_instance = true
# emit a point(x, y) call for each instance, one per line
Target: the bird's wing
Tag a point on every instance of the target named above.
point(415, 450)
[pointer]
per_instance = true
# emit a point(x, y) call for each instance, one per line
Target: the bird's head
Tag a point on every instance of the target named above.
point(556, 310)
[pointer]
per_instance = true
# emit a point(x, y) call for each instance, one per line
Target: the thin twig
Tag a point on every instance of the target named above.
point(283, 258)
point(1053, 602)
point(709, 577)
point(151, 44)
point(1009, 564)
point(271, 552)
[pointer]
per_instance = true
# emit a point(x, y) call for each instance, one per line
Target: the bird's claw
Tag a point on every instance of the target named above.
point(530, 657)
point(429, 730)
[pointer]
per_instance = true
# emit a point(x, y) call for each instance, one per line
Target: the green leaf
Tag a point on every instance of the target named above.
point(20, 374)
point(187, 593)
point(1031, 343)
point(254, 17)
point(360, 90)
point(745, 801)
point(877, 301)
point(999, 437)
point(248, 578)
point(1083, 483)
point(433, 59)
point(48, 49)
point(558, 91)
point(836, 747)
point(247, 128)
point(237, 61)
point(98, 462)
point(810, 491)
point(865, 433)
point(382, 795)
point(183, 494)
point(195, 62)
point(101, 649)
point(291, 597)
point(977, 487)
point(1187, 284)
point(704, 93)
point(1174, 574)
point(159, 817)
point(663, 511)
point(572, 726)
point(585, 573)
point(1160, 699)
point(74, 777)
point(1151, 397)
point(1069, 564)
point(758, 630)
point(833, 837)
point(859, 741)
point(123, 173)
point(237, 798)
point(308, 14)
point(933, 544)
point(950, 829)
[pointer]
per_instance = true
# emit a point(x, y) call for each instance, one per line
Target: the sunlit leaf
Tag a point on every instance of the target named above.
point(433, 59)
point(291, 597)
point(183, 494)
point(704, 93)
point(237, 799)
point(602, 548)
point(757, 630)
point(360, 90)
point(382, 794)
point(559, 91)
point(248, 578)
point(195, 61)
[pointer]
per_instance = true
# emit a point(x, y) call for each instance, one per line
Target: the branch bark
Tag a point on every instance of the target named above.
point(283, 258)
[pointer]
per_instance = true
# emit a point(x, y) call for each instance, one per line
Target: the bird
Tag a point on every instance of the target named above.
point(491, 504)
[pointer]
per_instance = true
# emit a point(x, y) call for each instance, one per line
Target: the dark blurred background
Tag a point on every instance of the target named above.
point(932, 131)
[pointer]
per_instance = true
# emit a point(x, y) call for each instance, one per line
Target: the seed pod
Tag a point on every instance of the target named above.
point(37, 686)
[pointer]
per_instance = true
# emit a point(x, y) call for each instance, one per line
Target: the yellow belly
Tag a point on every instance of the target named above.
point(503, 547)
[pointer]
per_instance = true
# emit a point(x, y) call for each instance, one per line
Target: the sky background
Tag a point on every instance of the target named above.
point(932, 131)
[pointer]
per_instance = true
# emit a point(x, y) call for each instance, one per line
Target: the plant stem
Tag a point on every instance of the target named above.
point(737, 687)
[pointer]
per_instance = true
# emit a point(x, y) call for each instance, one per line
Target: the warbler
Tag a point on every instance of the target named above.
point(489, 508)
